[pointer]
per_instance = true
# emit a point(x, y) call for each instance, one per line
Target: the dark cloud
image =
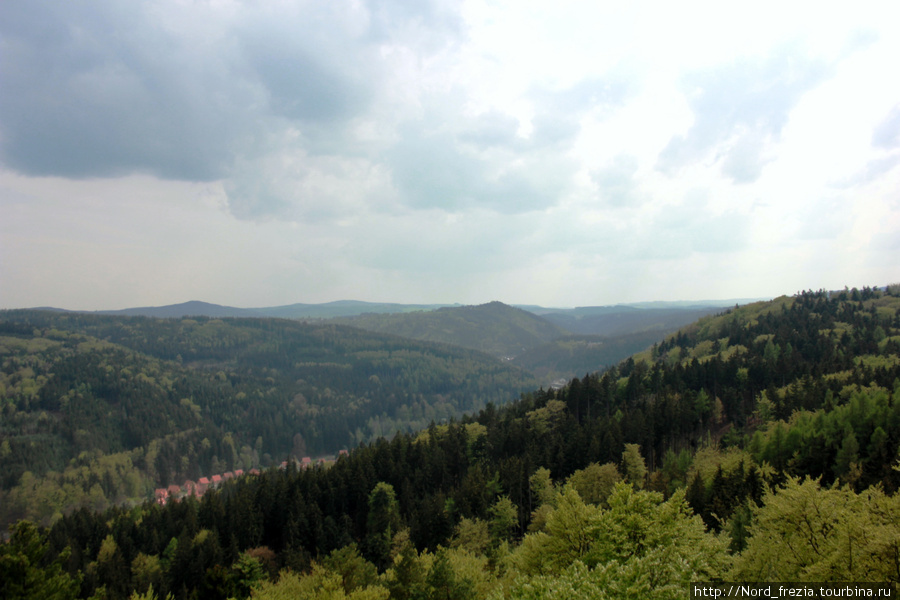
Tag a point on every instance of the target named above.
point(740, 107)
point(313, 66)
point(92, 90)
point(183, 90)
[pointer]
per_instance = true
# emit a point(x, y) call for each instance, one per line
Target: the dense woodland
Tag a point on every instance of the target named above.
point(101, 409)
point(551, 344)
point(512, 329)
point(760, 444)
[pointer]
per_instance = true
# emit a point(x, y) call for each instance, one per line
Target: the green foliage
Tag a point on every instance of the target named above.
point(102, 409)
point(595, 482)
point(504, 520)
point(150, 594)
point(355, 571)
point(28, 570)
point(519, 501)
point(634, 466)
point(803, 532)
point(641, 546)
point(494, 328)
point(566, 537)
point(319, 584)
point(382, 522)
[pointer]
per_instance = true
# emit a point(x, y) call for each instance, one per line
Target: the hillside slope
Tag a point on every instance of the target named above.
point(729, 436)
point(494, 328)
point(613, 321)
point(179, 398)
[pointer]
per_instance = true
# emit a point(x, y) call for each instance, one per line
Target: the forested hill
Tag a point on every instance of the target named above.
point(494, 328)
point(290, 311)
point(611, 321)
point(756, 445)
point(98, 409)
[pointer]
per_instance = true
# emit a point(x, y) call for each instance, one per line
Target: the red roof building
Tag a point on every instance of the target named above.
point(191, 489)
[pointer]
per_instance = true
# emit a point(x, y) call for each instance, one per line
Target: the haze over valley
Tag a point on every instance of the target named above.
point(448, 300)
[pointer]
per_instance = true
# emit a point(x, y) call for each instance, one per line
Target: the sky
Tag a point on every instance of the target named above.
point(554, 153)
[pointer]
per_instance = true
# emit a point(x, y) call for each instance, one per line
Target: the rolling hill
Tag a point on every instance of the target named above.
point(611, 321)
point(756, 445)
point(160, 400)
point(327, 310)
point(494, 328)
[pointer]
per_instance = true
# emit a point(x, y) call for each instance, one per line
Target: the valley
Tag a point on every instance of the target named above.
point(459, 475)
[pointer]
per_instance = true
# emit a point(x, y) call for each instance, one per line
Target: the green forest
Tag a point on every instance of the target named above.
point(759, 444)
point(97, 410)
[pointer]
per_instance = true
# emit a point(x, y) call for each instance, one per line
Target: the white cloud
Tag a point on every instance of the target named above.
point(567, 153)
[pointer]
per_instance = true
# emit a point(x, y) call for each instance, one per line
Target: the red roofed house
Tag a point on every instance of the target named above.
point(216, 480)
point(238, 472)
point(203, 485)
point(228, 475)
point(305, 462)
point(254, 471)
point(191, 489)
point(174, 491)
point(161, 494)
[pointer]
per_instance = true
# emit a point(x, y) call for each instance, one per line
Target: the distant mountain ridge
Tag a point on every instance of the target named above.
point(327, 310)
point(349, 308)
point(551, 343)
point(495, 328)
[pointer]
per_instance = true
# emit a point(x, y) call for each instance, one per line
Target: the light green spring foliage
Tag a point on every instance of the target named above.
point(595, 482)
point(446, 574)
point(566, 537)
point(319, 584)
point(542, 486)
point(504, 520)
point(634, 465)
point(710, 459)
point(471, 535)
point(150, 594)
point(639, 547)
point(805, 533)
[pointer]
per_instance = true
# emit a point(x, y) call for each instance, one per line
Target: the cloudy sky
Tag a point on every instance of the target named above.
point(557, 153)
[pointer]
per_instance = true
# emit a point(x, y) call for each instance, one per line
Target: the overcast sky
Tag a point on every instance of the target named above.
point(555, 153)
